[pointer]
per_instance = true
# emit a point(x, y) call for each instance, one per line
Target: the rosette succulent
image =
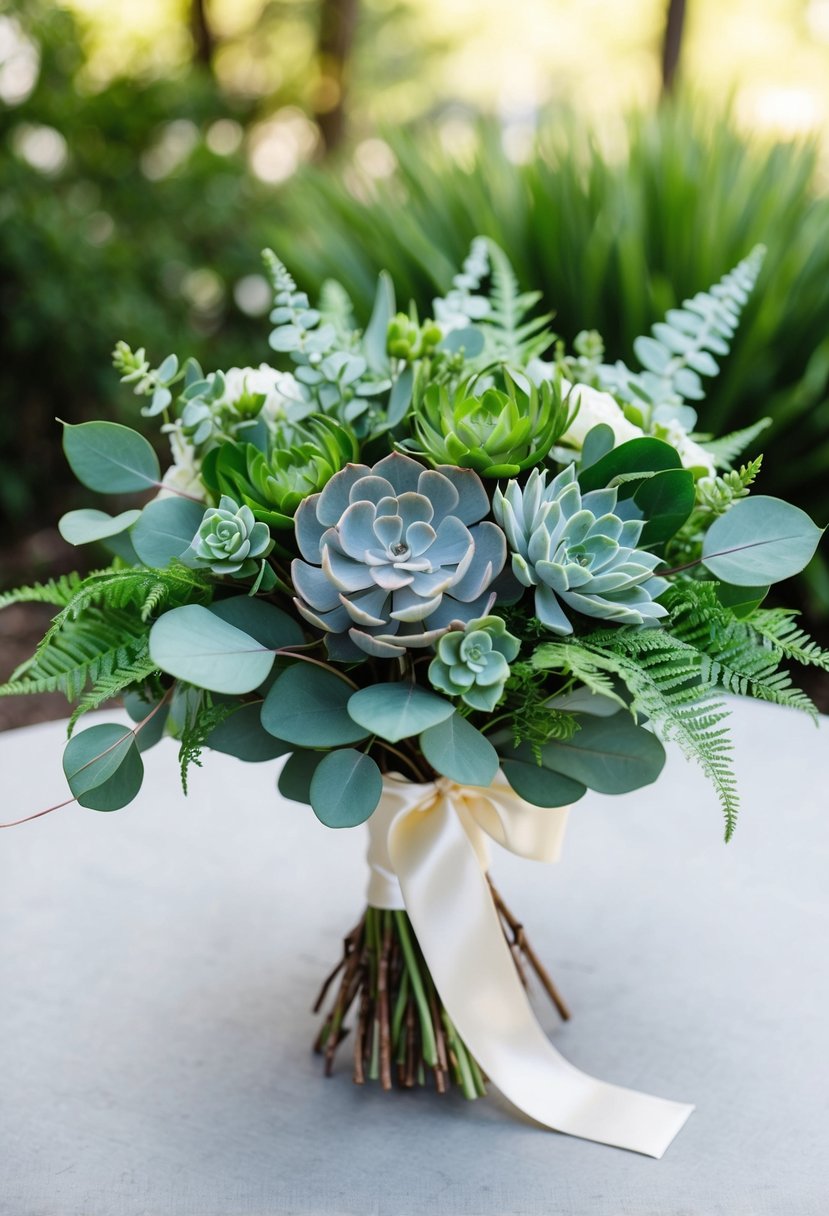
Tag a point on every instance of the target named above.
point(393, 555)
point(473, 663)
point(273, 484)
point(498, 433)
point(229, 538)
point(576, 552)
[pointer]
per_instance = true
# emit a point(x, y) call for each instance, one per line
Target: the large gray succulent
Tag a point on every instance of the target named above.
point(393, 555)
point(575, 551)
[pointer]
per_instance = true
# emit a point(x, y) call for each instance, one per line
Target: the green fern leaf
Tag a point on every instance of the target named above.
point(670, 684)
point(727, 448)
point(512, 336)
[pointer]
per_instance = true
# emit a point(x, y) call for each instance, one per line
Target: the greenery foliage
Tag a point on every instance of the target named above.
point(386, 629)
point(614, 242)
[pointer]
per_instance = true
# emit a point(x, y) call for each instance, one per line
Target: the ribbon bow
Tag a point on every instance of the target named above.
point(428, 854)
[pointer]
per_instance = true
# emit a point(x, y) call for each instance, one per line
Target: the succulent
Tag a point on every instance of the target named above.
point(274, 484)
point(473, 663)
point(229, 538)
point(499, 433)
point(393, 555)
point(574, 550)
point(406, 339)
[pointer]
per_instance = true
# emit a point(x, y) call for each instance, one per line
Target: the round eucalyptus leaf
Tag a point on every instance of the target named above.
point(646, 455)
point(460, 752)
point(345, 788)
point(294, 781)
point(609, 755)
point(103, 767)
point(598, 441)
point(241, 735)
point(396, 711)
point(741, 600)
point(110, 458)
point(665, 500)
point(87, 525)
point(139, 708)
point(165, 530)
point(539, 785)
point(760, 540)
point(307, 706)
point(193, 644)
point(265, 622)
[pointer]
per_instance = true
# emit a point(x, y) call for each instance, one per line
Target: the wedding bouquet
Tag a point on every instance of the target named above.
point(456, 576)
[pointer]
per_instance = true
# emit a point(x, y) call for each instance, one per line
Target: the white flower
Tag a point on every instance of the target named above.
point(278, 388)
point(690, 453)
point(182, 477)
point(595, 407)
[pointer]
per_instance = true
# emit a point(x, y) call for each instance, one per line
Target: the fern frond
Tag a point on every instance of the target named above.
point(777, 626)
point(203, 717)
point(85, 652)
point(670, 684)
point(512, 337)
point(58, 592)
point(134, 586)
point(681, 348)
point(743, 662)
point(727, 448)
point(112, 684)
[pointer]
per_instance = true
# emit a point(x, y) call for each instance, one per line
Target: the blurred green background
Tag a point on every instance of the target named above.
point(625, 154)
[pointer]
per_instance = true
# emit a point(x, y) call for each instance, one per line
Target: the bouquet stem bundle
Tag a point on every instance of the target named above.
point(403, 1033)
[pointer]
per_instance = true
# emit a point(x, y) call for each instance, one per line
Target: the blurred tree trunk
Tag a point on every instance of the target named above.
point(672, 44)
point(338, 23)
point(204, 42)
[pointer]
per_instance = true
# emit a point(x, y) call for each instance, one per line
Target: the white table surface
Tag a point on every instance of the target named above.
point(157, 966)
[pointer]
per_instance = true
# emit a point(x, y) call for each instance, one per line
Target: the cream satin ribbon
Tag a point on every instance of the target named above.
point(428, 854)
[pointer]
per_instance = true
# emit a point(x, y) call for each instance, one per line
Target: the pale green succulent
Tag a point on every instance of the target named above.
point(498, 432)
point(577, 552)
point(473, 663)
point(394, 556)
point(229, 539)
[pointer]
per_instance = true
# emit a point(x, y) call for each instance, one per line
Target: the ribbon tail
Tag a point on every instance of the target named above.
point(448, 901)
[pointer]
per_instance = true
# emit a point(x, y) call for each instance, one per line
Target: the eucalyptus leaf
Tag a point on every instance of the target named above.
point(468, 339)
point(86, 525)
point(644, 456)
point(345, 788)
point(741, 600)
point(308, 706)
point(165, 530)
point(598, 441)
point(103, 767)
point(294, 780)
point(264, 622)
point(139, 707)
point(460, 752)
point(665, 500)
point(396, 711)
point(243, 736)
point(609, 755)
point(760, 540)
point(537, 784)
point(196, 645)
point(110, 458)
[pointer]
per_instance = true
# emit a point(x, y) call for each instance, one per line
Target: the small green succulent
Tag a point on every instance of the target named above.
point(497, 432)
point(406, 339)
point(302, 461)
point(577, 552)
point(229, 539)
point(473, 663)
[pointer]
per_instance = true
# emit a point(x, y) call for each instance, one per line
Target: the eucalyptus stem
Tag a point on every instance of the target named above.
point(402, 1030)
